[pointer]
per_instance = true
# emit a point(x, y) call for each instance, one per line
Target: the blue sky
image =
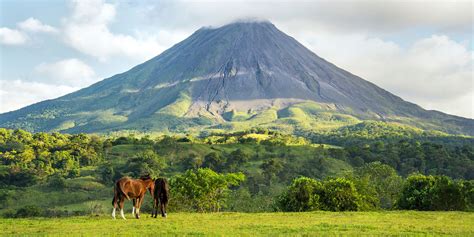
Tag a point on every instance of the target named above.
point(421, 51)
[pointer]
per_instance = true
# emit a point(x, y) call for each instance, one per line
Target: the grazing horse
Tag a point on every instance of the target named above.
point(134, 189)
point(161, 195)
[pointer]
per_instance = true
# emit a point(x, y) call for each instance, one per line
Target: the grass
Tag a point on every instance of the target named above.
point(250, 224)
point(179, 107)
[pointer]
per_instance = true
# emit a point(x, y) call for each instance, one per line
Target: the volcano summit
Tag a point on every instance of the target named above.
point(240, 75)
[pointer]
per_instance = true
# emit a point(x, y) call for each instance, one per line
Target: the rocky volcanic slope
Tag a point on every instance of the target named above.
point(236, 76)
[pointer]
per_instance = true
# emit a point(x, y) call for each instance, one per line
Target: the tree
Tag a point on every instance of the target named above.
point(340, 194)
point(415, 193)
point(431, 193)
point(236, 159)
point(18, 177)
point(302, 195)
point(204, 189)
point(467, 189)
point(378, 184)
point(145, 162)
point(270, 169)
point(447, 195)
point(106, 173)
point(193, 161)
point(213, 161)
point(306, 194)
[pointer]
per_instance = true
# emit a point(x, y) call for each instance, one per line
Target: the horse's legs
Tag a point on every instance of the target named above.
point(115, 207)
point(154, 211)
point(133, 208)
point(122, 200)
point(163, 209)
point(114, 204)
point(137, 208)
point(139, 204)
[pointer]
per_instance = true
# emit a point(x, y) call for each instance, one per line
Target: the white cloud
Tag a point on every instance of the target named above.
point(434, 72)
point(12, 37)
point(337, 15)
point(88, 31)
point(69, 72)
point(34, 25)
point(18, 93)
point(18, 36)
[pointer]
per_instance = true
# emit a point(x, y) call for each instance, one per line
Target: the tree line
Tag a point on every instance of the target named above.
point(376, 186)
point(247, 172)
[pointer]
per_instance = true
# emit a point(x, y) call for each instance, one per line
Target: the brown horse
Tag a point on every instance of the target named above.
point(161, 195)
point(134, 189)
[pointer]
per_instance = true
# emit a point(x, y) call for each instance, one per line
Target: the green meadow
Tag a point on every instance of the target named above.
point(412, 223)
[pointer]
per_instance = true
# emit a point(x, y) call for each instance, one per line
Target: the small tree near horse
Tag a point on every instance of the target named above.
point(135, 189)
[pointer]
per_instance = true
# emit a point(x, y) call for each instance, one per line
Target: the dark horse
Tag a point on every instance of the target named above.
point(161, 195)
point(131, 189)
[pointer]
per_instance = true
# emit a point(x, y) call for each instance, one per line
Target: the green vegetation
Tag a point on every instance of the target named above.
point(342, 194)
point(248, 171)
point(179, 107)
point(203, 189)
point(436, 193)
point(251, 224)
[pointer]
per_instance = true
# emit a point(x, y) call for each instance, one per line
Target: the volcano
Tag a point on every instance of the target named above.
point(240, 75)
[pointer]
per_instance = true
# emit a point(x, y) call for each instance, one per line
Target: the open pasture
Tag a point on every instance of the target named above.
point(251, 224)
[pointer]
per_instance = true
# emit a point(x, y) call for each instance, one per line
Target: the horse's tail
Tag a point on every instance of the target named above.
point(162, 190)
point(121, 192)
point(118, 192)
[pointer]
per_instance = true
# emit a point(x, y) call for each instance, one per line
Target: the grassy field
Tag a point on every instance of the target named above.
point(249, 224)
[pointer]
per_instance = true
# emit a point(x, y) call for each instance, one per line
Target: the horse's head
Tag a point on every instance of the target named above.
point(149, 183)
point(145, 177)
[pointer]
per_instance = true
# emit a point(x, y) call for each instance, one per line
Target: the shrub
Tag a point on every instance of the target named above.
point(96, 208)
point(204, 189)
point(378, 184)
point(106, 173)
point(56, 181)
point(28, 211)
point(306, 194)
point(431, 193)
point(302, 195)
point(146, 162)
point(339, 194)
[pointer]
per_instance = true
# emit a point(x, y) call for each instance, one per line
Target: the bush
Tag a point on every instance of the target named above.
point(18, 177)
point(96, 208)
point(213, 161)
point(339, 195)
point(430, 193)
point(467, 188)
point(28, 211)
point(306, 194)
point(56, 181)
point(302, 195)
point(106, 173)
point(378, 184)
point(145, 163)
point(204, 189)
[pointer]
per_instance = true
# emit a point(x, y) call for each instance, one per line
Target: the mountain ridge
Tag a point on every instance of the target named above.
point(245, 67)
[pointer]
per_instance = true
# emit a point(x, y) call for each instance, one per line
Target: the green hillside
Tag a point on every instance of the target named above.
point(64, 175)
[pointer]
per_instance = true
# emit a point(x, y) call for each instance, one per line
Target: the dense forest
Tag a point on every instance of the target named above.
point(254, 170)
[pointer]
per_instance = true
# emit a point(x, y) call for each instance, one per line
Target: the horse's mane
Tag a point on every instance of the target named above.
point(145, 177)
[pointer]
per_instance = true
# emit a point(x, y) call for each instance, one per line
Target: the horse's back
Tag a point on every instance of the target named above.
point(128, 187)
